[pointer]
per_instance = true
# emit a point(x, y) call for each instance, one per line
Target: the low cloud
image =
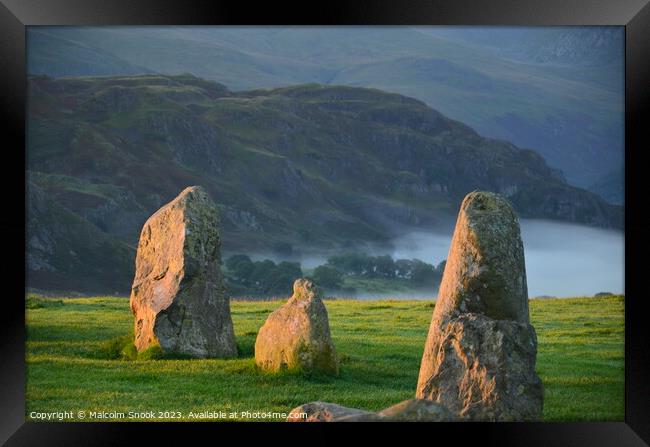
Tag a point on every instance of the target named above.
point(561, 259)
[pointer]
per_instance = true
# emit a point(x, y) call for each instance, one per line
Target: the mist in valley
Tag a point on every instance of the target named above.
point(562, 260)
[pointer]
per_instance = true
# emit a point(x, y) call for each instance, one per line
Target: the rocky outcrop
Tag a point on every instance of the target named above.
point(178, 297)
point(479, 357)
point(297, 335)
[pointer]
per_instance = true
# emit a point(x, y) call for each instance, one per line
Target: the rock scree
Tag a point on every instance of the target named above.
point(178, 295)
point(480, 353)
point(296, 336)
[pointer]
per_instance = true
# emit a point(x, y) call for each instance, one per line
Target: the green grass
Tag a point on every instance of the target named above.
point(75, 360)
point(382, 286)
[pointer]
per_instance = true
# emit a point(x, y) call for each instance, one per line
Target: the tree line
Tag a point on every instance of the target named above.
point(267, 278)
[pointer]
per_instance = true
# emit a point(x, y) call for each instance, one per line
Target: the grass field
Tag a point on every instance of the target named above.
point(580, 360)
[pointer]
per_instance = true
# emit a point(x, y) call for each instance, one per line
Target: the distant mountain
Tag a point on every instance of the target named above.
point(318, 167)
point(556, 90)
point(59, 56)
point(590, 46)
point(574, 45)
point(611, 187)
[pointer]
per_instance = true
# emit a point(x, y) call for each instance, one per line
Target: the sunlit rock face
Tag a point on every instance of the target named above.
point(296, 336)
point(178, 296)
point(479, 357)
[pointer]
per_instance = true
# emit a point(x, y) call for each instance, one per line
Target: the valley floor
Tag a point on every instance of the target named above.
point(580, 360)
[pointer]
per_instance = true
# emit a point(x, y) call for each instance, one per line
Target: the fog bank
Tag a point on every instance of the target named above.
point(561, 259)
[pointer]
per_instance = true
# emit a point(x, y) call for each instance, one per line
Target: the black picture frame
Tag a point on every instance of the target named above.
point(15, 15)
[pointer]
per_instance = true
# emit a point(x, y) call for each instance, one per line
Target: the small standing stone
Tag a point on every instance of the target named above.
point(178, 297)
point(296, 336)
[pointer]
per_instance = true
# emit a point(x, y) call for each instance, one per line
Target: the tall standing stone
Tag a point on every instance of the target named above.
point(178, 295)
point(296, 336)
point(479, 357)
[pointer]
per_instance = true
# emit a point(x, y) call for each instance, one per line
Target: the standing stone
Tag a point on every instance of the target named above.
point(479, 357)
point(485, 271)
point(178, 296)
point(297, 335)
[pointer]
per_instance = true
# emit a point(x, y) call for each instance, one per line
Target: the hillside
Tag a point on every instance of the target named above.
point(66, 252)
point(557, 90)
point(318, 167)
point(611, 187)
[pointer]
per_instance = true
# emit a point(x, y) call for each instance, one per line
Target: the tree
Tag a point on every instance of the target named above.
point(289, 269)
point(281, 280)
point(424, 274)
point(261, 275)
point(241, 268)
point(328, 277)
point(351, 263)
point(404, 268)
point(383, 266)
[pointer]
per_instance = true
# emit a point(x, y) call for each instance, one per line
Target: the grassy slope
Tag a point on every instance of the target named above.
point(342, 143)
point(580, 360)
